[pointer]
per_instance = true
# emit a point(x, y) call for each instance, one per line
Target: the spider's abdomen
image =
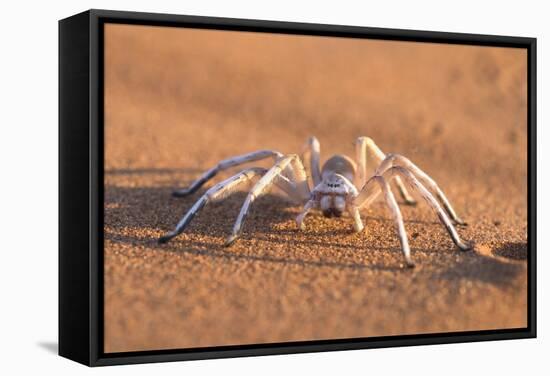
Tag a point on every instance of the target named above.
point(339, 164)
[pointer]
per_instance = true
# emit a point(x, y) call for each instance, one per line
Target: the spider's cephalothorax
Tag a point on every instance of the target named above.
point(334, 190)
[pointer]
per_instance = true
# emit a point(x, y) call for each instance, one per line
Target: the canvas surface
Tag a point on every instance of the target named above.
point(178, 100)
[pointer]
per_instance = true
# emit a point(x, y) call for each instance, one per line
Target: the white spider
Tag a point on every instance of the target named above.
point(333, 192)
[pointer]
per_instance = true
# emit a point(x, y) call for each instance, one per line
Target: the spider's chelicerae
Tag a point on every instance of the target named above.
point(334, 191)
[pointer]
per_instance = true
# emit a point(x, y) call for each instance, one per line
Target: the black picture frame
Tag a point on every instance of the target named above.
point(81, 186)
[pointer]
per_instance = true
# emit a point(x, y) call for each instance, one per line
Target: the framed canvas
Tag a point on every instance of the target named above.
point(235, 187)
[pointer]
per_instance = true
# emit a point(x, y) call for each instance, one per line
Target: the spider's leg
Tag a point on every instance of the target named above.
point(293, 181)
point(216, 193)
point(269, 179)
point(312, 158)
point(377, 184)
point(432, 201)
point(364, 144)
point(367, 196)
point(399, 160)
point(298, 176)
point(225, 164)
point(289, 187)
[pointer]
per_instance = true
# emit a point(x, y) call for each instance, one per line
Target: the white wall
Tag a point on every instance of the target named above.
point(28, 184)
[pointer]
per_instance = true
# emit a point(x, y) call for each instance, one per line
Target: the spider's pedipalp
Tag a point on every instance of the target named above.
point(357, 222)
point(307, 207)
point(223, 165)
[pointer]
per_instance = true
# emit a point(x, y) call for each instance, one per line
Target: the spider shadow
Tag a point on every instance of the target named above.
point(500, 266)
point(203, 248)
point(407, 220)
point(512, 251)
point(311, 241)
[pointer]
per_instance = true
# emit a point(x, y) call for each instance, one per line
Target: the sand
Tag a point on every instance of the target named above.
point(178, 101)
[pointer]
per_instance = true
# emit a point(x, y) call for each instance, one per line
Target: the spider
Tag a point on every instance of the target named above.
point(334, 191)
